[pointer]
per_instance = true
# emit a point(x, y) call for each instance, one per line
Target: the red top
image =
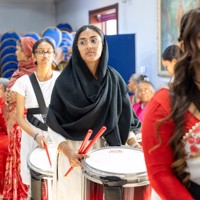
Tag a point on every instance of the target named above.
point(159, 161)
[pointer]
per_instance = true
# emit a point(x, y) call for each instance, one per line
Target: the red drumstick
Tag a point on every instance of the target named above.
point(84, 151)
point(87, 137)
point(97, 136)
point(89, 133)
point(47, 152)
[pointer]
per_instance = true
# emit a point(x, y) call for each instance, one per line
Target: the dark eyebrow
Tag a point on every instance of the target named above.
point(90, 37)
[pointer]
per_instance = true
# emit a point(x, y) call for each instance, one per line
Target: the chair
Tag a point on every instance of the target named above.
point(53, 32)
point(66, 42)
point(34, 35)
point(9, 65)
point(67, 35)
point(8, 73)
point(65, 27)
point(8, 57)
point(8, 42)
point(7, 50)
point(9, 35)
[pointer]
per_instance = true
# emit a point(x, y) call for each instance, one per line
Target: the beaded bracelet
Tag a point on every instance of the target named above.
point(35, 135)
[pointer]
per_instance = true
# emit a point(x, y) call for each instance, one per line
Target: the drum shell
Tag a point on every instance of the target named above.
point(41, 176)
point(135, 188)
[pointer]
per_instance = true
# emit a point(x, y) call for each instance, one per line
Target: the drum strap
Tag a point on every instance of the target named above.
point(113, 187)
point(42, 106)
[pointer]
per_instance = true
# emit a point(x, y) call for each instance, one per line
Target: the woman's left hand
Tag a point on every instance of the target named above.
point(136, 146)
point(132, 142)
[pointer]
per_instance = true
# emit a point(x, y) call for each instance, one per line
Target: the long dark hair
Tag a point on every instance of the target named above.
point(184, 90)
point(172, 52)
point(44, 39)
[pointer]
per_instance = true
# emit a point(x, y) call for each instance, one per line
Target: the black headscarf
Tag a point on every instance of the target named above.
point(80, 101)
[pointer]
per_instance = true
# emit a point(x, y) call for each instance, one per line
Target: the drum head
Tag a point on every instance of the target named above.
point(123, 162)
point(38, 160)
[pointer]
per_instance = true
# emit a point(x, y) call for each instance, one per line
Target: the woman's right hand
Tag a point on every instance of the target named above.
point(40, 139)
point(73, 157)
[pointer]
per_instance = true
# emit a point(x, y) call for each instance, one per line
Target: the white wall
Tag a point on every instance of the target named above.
point(26, 16)
point(139, 17)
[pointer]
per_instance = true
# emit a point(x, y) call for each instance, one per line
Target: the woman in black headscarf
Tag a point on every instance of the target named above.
point(88, 95)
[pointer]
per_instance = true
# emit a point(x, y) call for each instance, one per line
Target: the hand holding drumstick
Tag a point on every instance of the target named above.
point(74, 159)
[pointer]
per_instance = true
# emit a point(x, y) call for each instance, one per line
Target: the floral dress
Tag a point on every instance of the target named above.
point(191, 144)
point(3, 145)
point(13, 187)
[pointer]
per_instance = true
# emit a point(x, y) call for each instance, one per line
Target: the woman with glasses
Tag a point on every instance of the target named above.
point(87, 95)
point(132, 84)
point(43, 54)
point(144, 92)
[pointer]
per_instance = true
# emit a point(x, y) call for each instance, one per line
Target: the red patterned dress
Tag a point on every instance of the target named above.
point(14, 189)
point(3, 145)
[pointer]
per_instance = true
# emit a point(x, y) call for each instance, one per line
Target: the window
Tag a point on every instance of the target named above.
point(106, 19)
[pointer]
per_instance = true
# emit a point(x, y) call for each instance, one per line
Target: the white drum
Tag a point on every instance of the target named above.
point(115, 173)
point(42, 172)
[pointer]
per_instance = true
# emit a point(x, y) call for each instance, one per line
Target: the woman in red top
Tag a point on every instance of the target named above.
point(171, 124)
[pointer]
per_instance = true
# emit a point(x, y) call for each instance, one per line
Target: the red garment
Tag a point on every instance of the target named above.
point(3, 145)
point(13, 187)
point(158, 161)
point(139, 110)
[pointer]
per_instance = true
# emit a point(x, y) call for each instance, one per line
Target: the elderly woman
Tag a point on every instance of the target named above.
point(132, 85)
point(144, 92)
point(87, 95)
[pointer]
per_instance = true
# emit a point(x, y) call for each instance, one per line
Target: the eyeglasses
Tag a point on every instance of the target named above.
point(43, 53)
point(145, 90)
point(94, 42)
